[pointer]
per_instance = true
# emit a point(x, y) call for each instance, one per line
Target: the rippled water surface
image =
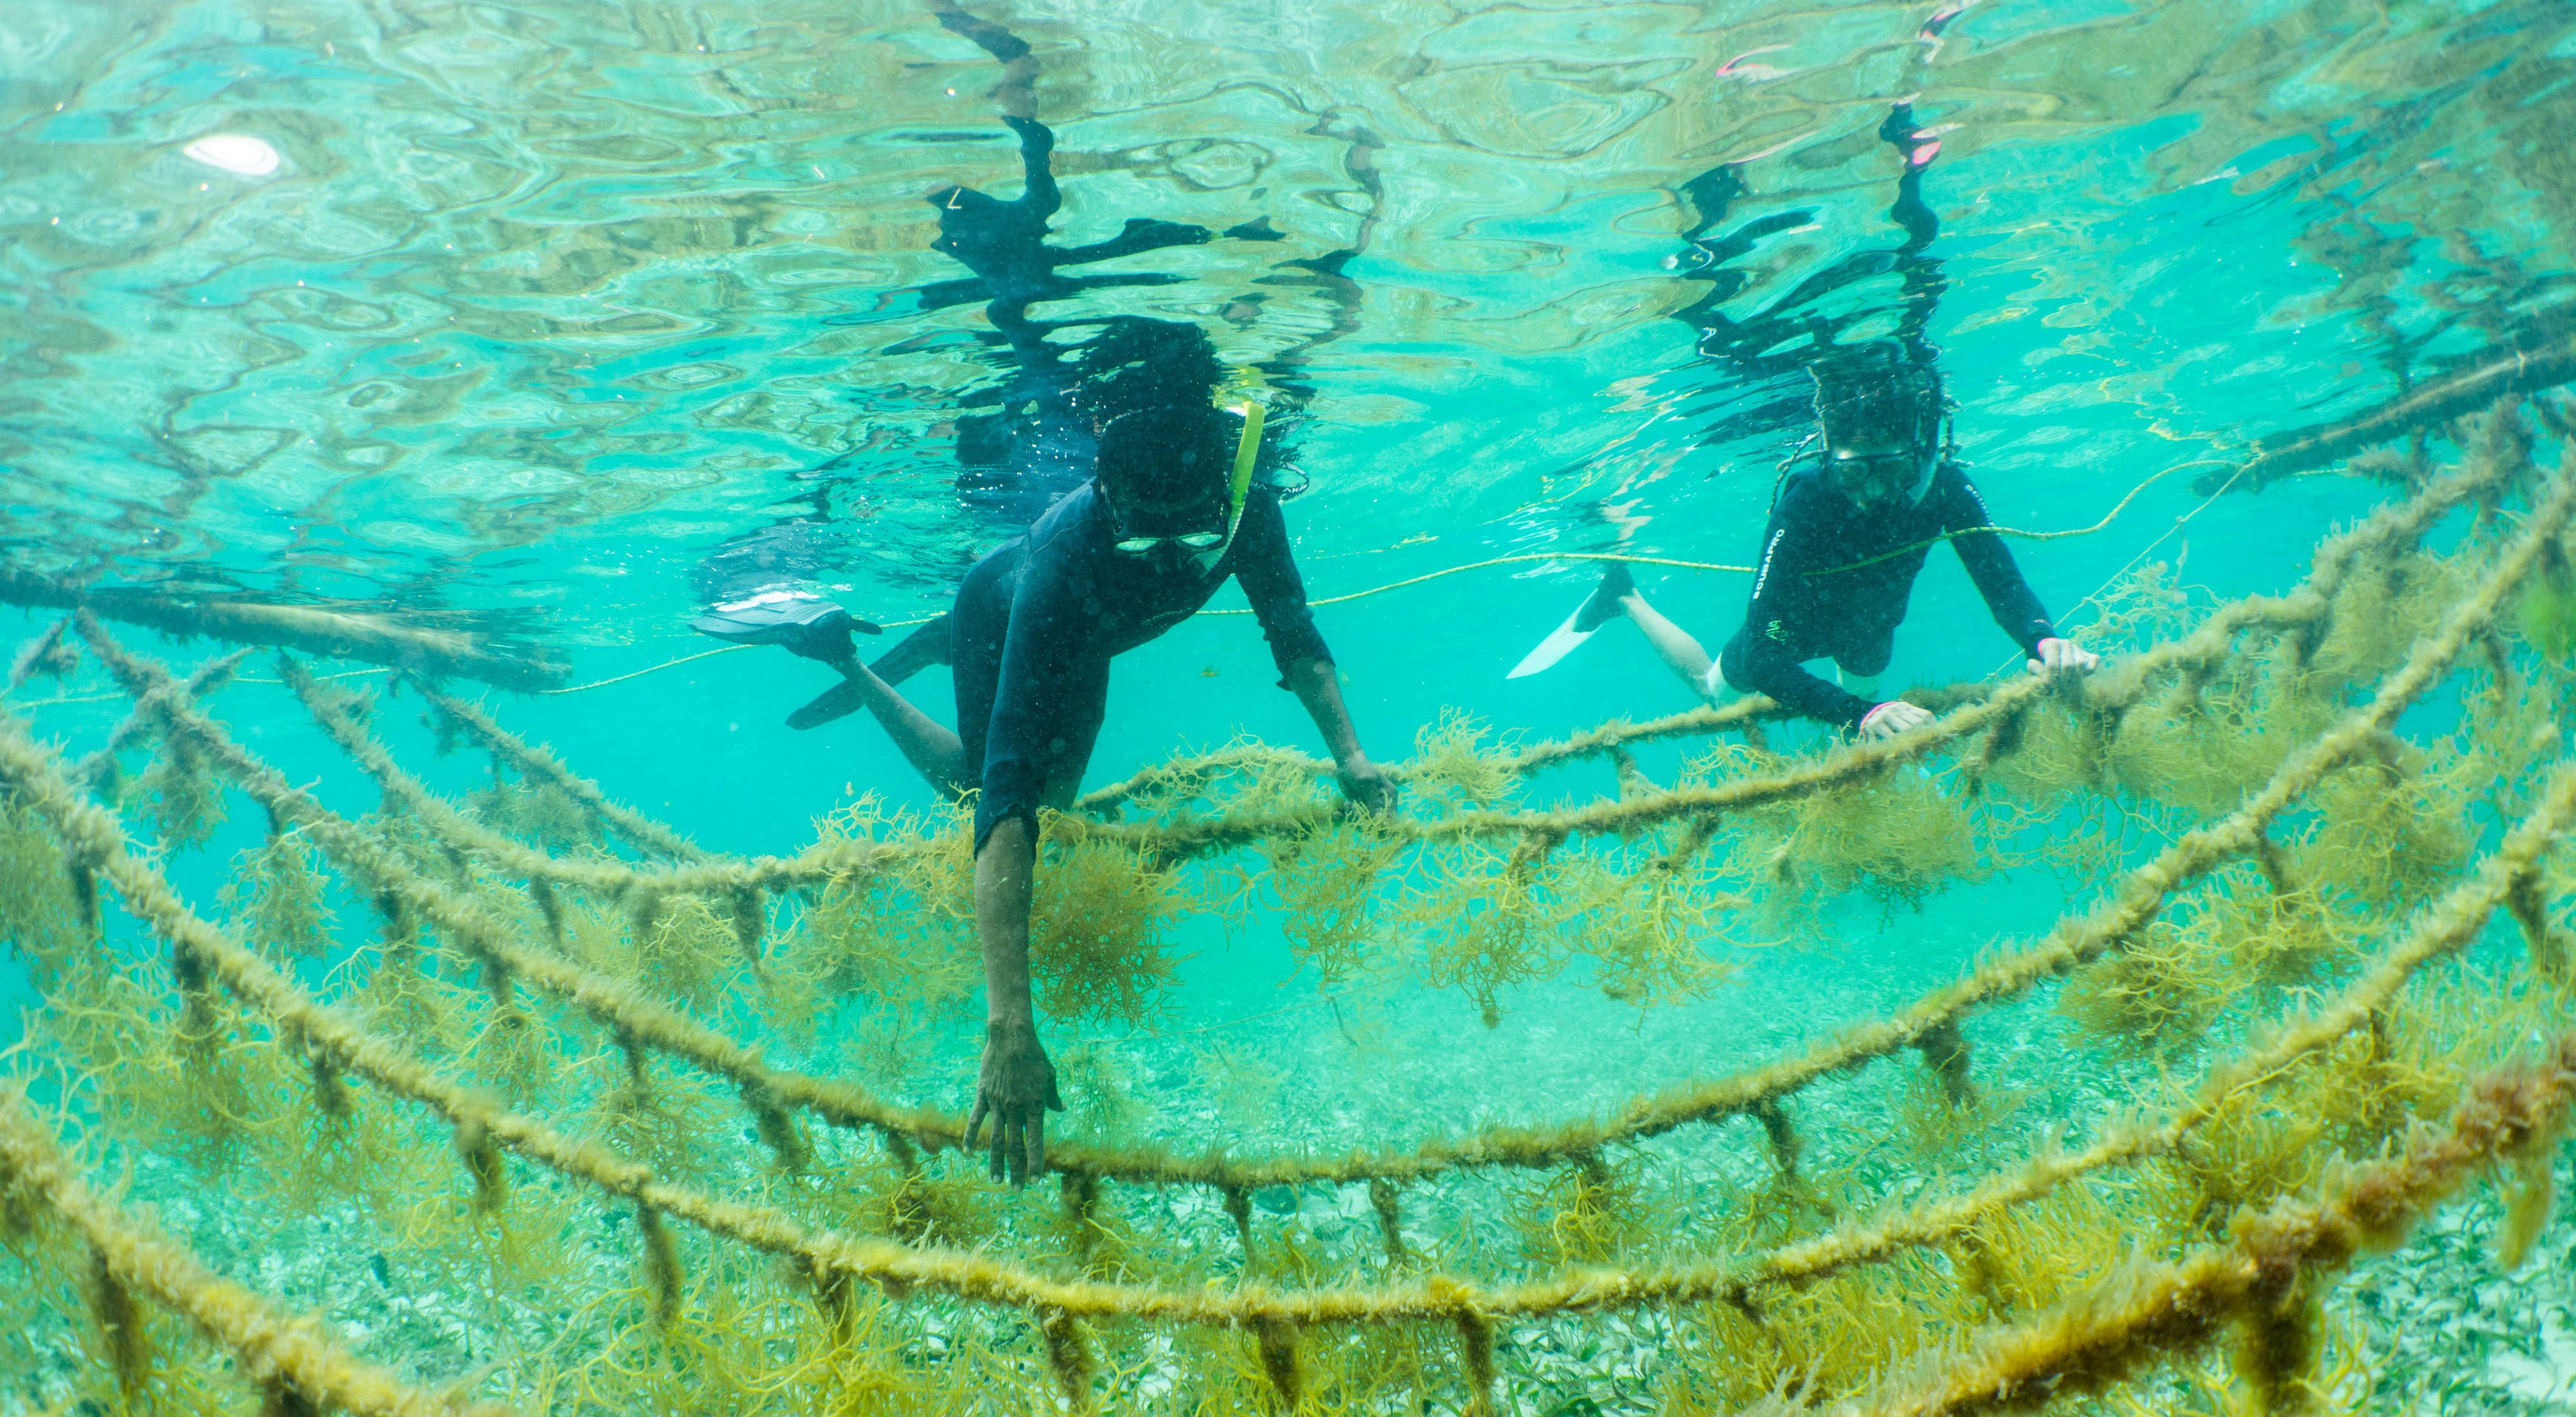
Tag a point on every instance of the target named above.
point(546, 305)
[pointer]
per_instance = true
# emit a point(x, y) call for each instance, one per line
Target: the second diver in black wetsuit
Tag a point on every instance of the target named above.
point(1848, 534)
point(1846, 538)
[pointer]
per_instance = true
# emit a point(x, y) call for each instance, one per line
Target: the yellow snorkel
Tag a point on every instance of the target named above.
point(1247, 450)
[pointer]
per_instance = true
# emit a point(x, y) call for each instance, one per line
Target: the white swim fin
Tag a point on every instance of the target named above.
point(1556, 646)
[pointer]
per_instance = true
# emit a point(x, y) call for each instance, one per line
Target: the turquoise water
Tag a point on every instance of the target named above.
point(555, 321)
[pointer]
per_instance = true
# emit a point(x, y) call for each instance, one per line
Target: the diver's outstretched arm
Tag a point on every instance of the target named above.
point(924, 742)
point(1319, 688)
point(1017, 1085)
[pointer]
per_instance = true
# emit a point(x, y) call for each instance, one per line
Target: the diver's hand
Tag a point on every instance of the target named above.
point(1017, 1090)
point(1365, 783)
point(1893, 717)
point(2067, 655)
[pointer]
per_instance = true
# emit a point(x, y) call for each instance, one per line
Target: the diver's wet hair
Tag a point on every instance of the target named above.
point(1877, 393)
point(1165, 456)
point(1136, 363)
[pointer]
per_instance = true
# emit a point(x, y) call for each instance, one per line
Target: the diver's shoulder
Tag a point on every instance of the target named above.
point(1062, 523)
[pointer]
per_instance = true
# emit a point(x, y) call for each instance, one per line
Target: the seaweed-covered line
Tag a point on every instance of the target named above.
point(2397, 526)
point(36, 656)
point(2120, 685)
point(151, 707)
point(2442, 929)
point(712, 876)
point(473, 928)
point(2125, 683)
point(2154, 1312)
point(539, 761)
point(86, 827)
point(2074, 941)
point(274, 1349)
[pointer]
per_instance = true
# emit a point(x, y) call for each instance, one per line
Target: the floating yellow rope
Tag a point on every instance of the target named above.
point(1523, 559)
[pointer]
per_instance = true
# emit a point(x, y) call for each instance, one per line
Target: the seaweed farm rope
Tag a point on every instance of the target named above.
point(92, 831)
point(2074, 941)
point(2125, 683)
point(277, 1351)
point(2153, 1312)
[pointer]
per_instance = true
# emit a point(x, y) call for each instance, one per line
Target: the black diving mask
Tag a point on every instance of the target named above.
point(1201, 527)
point(1877, 479)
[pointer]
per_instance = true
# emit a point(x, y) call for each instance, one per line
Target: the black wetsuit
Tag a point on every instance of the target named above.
point(1834, 581)
point(1038, 620)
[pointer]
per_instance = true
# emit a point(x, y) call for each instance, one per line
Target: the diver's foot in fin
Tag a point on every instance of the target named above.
point(1616, 585)
point(804, 625)
point(929, 645)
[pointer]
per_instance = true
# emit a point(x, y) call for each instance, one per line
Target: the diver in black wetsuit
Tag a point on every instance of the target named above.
point(1845, 541)
point(1172, 510)
point(1848, 534)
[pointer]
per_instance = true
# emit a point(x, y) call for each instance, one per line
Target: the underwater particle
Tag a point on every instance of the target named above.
point(236, 153)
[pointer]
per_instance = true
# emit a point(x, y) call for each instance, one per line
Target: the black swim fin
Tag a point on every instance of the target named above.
point(923, 647)
point(839, 701)
point(805, 625)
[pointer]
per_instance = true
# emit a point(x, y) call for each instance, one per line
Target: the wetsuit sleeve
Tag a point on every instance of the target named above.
point(1046, 630)
point(1268, 571)
point(2015, 606)
point(1760, 659)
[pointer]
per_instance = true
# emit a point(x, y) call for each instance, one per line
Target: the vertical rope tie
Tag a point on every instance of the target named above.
point(120, 1325)
point(496, 982)
point(1390, 1216)
point(198, 1024)
point(2274, 863)
point(1277, 1340)
point(661, 1263)
point(750, 915)
point(400, 936)
point(2001, 741)
point(2528, 901)
point(550, 909)
point(643, 912)
point(84, 878)
point(483, 1161)
point(330, 1089)
point(1945, 1050)
point(1784, 1137)
point(1082, 1213)
point(1069, 1354)
point(776, 1127)
point(639, 1076)
point(1238, 1204)
point(837, 1297)
point(1476, 1356)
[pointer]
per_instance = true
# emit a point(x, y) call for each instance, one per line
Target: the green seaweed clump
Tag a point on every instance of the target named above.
point(2159, 995)
point(1489, 920)
point(1099, 932)
point(180, 795)
point(542, 812)
point(39, 916)
point(1326, 881)
point(1452, 766)
point(1590, 1213)
point(278, 895)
